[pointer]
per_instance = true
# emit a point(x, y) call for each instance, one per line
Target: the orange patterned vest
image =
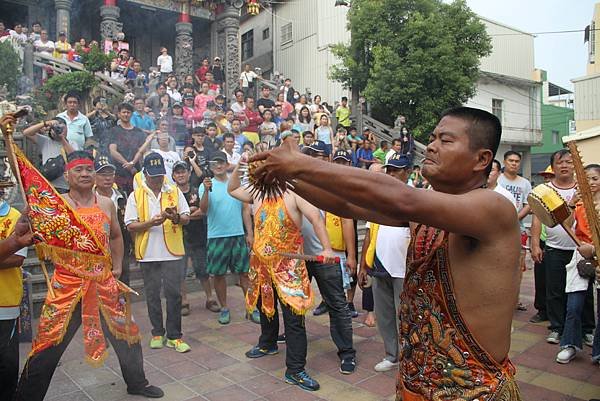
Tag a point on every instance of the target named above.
point(440, 360)
point(274, 233)
point(96, 288)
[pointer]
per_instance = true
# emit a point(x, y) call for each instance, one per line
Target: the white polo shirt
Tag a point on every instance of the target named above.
point(156, 251)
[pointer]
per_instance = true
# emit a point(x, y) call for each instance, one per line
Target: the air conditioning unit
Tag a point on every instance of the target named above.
point(571, 127)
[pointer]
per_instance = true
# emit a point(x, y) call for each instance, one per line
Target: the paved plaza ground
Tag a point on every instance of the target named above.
point(216, 368)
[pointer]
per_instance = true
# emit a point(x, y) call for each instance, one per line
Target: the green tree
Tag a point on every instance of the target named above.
point(412, 57)
point(9, 67)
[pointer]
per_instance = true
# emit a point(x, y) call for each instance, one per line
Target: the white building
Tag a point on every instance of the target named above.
point(304, 31)
point(508, 87)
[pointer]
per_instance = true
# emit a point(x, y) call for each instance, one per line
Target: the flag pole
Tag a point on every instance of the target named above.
point(12, 161)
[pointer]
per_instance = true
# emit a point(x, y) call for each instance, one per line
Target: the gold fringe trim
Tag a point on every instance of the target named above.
point(96, 363)
point(64, 258)
point(113, 330)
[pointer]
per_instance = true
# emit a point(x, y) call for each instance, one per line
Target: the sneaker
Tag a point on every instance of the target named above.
point(157, 342)
point(303, 380)
point(385, 365)
point(224, 316)
point(254, 316)
point(321, 309)
point(281, 339)
point(212, 306)
point(537, 318)
point(353, 312)
point(258, 352)
point(588, 339)
point(348, 366)
point(566, 355)
point(149, 392)
point(179, 345)
point(553, 337)
point(185, 309)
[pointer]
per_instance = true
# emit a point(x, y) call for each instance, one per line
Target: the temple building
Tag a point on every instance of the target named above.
point(190, 29)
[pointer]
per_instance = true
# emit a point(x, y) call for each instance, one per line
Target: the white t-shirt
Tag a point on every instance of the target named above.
point(247, 78)
point(44, 48)
point(165, 62)
point(502, 191)
point(49, 149)
point(238, 108)
point(391, 249)
point(170, 157)
point(519, 188)
point(156, 251)
point(557, 237)
point(233, 158)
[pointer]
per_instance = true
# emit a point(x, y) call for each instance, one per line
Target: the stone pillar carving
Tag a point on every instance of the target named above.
point(229, 23)
point(184, 47)
point(110, 25)
point(63, 17)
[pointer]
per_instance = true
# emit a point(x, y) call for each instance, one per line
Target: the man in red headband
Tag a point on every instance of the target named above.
point(79, 299)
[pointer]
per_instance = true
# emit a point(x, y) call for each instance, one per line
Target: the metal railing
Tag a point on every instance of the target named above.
point(384, 132)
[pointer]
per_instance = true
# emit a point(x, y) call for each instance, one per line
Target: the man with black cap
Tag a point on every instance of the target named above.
point(217, 70)
point(388, 247)
point(194, 236)
point(156, 212)
point(105, 186)
point(228, 242)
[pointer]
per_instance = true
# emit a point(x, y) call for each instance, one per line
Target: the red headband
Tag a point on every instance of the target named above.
point(79, 162)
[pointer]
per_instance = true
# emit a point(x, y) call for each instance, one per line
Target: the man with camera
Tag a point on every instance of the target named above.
point(198, 155)
point(51, 139)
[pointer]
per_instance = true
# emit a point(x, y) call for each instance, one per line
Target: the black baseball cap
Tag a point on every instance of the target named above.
point(316, 146)
point(218, 156)
point(103, 162)
point(154, 165)
point(398, 160)
point(181, 164)
point(342, 154)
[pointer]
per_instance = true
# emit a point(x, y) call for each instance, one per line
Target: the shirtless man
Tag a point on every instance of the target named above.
point(462, 279)
point(273, 278)
point(88, 299)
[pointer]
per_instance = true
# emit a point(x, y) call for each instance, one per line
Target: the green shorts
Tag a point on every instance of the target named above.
point(227, 253)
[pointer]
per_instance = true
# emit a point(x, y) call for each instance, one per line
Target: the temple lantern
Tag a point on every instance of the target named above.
point(253, 7)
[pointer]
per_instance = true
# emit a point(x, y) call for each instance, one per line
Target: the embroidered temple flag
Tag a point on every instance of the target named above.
point(62, 235)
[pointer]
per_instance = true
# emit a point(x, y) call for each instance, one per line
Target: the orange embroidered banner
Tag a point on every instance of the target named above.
point(62, 235)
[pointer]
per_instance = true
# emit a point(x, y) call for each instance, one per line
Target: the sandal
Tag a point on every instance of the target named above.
point(185, 309)
point(370, 320)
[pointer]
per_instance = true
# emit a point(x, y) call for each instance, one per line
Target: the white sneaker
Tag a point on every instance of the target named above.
point(588, 339)
point(385, 365)
point(553, 338)
point(566, 355)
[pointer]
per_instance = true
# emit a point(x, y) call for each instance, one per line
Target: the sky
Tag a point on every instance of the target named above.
point(563, 56)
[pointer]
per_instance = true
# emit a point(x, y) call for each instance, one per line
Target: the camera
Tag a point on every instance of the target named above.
point(56, 130)
point(191, 154)
point(206, 171)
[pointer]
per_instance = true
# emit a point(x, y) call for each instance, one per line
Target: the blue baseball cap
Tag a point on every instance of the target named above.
point(316, 146)
point(103, 162)
point(398, 160)
point(154, 165)
point(342, 154)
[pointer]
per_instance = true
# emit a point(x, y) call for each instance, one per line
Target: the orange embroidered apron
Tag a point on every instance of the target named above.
point(96, 288)
point(274, 233)
point(440, 360)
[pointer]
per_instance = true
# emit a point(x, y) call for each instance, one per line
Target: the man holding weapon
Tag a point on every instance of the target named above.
point(277, 278)
point(81, 234)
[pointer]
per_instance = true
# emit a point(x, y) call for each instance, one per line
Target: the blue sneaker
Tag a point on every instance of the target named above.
point(224, 316)
point(321, 309)
point(254, 316)
point(257, 352)
point(303, 380)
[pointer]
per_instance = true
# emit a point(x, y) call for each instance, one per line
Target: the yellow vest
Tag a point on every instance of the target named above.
point(370, 254)
point(173, 233)
point(333, 224)
point(11, 279)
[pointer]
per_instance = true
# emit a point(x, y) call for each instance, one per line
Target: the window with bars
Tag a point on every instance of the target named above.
point(497, 108)
point(248, 45)
point(286, 33)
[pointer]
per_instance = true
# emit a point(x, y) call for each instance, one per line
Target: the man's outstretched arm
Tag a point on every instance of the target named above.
point(466, 214)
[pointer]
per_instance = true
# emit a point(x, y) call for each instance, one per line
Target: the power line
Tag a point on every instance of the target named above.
point(545, 32)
